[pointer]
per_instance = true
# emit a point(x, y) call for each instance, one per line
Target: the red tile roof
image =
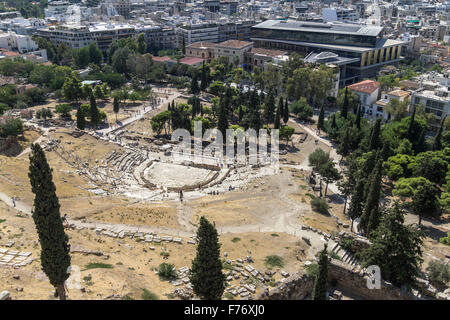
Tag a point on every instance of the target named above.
point(191, 60)
point(366, 86)
point(161, 59)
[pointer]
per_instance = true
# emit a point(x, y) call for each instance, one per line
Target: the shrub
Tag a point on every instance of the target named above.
point(438, 272)
point(235, 239)
point(319, 205)
point(167, 271)
point(347, 244)
point(312, 270)
point(148, 295)
point(274, 261)
point(96, 265)
point(445, 240)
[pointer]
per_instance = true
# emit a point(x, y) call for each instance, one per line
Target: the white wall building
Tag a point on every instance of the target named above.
point(16, 42)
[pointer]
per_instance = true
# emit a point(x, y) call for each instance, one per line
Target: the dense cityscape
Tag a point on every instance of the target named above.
point(224, 150)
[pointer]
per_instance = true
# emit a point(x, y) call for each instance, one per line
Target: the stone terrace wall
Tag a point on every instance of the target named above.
point(356, 283)
point(297, 287)
point(359, 243)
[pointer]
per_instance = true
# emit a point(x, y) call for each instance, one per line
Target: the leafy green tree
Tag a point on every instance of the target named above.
point(64, 110)
point(286, 133)
point(301, 109)
point(318, 158)
point(396, 248)
point(321, 279)
point(329, 174)
point(357, 204)
point(71, 89)
point(431, 165)
point(141, 44)
point(207, 278)
point(397, 108)
point(55, 258)
point(345, 105)
point(119, 60)
point(95, 55)
point(424, 201)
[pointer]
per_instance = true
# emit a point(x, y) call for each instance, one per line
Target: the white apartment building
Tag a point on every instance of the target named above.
point(16, 42)
point(435, 101)
point(208, 32)
point(379, 107)
point(339, 14)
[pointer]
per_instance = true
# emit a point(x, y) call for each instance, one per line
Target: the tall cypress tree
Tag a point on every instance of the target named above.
point(194, 84)
point(357, 204)
point(269, 108)
point(55, 258)
point(207, 278)
point(374, 142)
point(358, 118)
point(280, 107)
point(240, 113)
point(437, 144)
point(203, 79)
point(333, 122)
point(411, 125)
point(286, 112)
point(116, 106)
point(95, 115)
point(321, 280)
point(222, 124)
point(320, 122)
point(81, 122)
point(345, 104)
point(370, 217)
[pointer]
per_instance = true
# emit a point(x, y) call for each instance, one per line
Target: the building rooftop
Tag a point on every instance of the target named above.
point(398, 93)
point(237, 44)
point(330, 27)
point(191, 60)
point(267, 52)
point(201, 45)
point(366, 86)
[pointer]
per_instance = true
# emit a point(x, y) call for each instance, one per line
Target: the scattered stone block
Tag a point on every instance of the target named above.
point(284, 273)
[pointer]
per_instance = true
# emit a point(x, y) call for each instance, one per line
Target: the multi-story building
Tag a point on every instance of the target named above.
point(435, 101)
point(233, 49)
point(367, 92)
point(123, 7)
point(204, 50)
point(158, 37)
point(379, 108)
point(363, 43)
point(212, 5)
point(259, 57)
point(339, 14)
point(75, 36)
point(105, 33)
point(17, 42)
point(228, 7)
point(208, 32)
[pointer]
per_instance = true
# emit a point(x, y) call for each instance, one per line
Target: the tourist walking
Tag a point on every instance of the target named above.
point(13, 199)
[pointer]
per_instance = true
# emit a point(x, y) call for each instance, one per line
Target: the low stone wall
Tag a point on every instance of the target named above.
point(297, 287)
point(359, 243)
point(355, 282)
point(194, 186)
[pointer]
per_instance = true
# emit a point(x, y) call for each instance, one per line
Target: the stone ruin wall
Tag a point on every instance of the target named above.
point(299, 286)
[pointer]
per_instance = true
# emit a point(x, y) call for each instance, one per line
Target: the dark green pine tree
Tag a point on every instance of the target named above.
point(55, 258)
point(95, 115)
point(320, 122)
point(321, 280)
point(358, 118)
point(116, 106)
point(396, 248)
point(286, 112)
point(81, 122)
point(183, 46)
point(345, 104)
point(374, 142)
point(370, 217)
point(207, 278)
point(437, 144)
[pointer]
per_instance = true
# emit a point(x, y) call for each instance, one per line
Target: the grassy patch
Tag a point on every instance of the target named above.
point(127, 297)
point(229, 296)
point(274, 261)
point(98, 265)
point(312, 270)
point(334, 255)
point(167, 271)
point(148, 295)
point(310, 195)
point(235, 239)
point(2, 220)
point(227, 266)
point(319, 205)
point(274, 235)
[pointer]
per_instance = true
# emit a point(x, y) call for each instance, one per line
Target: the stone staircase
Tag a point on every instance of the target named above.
point(346, 256)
